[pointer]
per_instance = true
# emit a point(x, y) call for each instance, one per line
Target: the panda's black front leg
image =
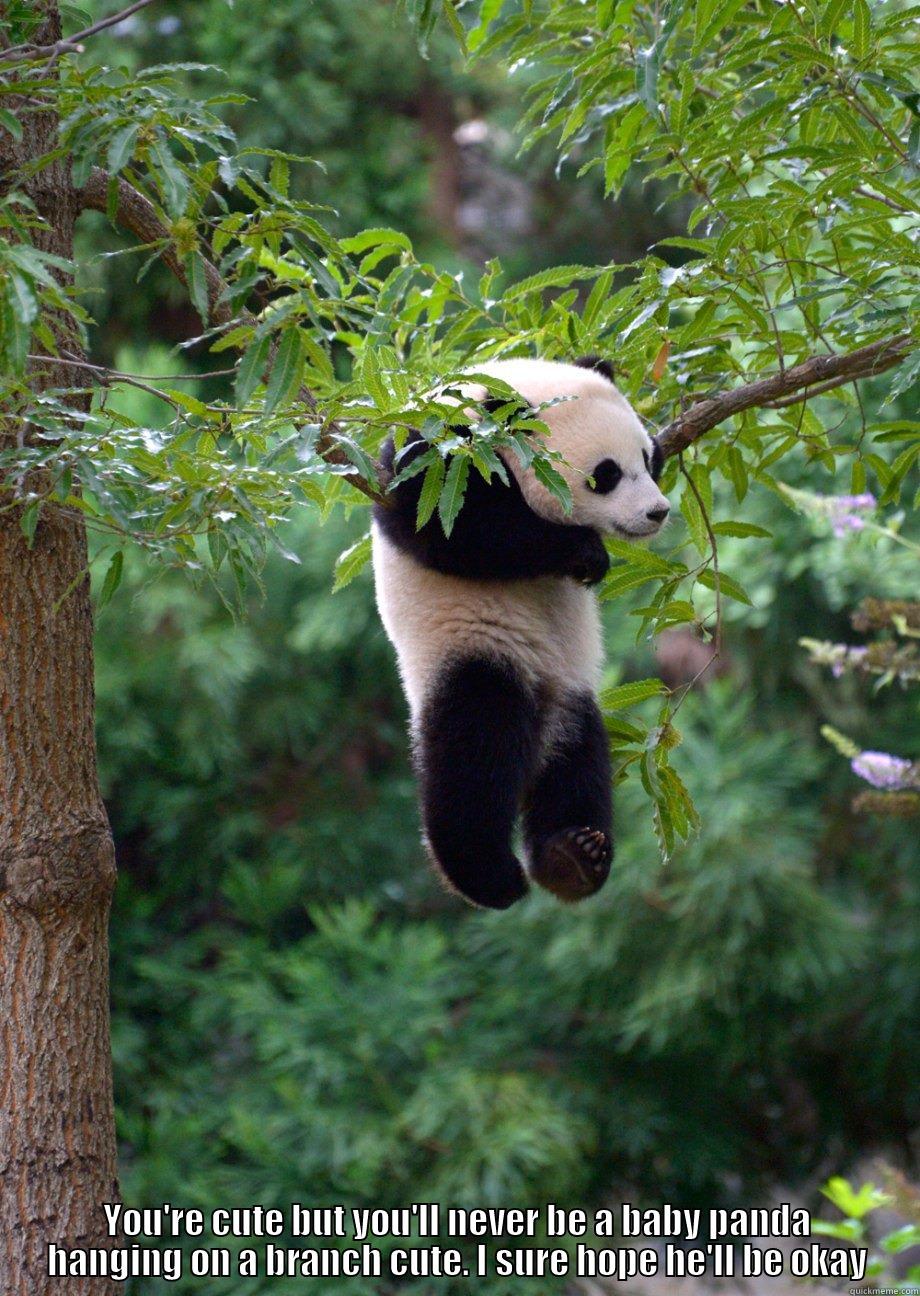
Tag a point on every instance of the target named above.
point(476, 746)
point(568, 815)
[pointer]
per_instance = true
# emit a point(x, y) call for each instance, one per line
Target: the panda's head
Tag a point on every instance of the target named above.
point(609, 462)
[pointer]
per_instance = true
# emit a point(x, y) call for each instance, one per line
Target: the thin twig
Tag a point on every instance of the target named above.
point(17, 53)
point(883, 198)
point(118, 375)
point(717, 636)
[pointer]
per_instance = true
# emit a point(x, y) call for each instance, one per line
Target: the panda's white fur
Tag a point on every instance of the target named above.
point(547, 627)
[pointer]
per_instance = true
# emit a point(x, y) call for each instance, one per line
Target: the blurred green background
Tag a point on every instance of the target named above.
point(301, 1013)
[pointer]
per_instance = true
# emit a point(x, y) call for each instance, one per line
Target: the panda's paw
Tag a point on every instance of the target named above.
point(574, 863)
point(591, 561)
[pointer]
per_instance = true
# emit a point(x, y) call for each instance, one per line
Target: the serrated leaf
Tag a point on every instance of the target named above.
point(693, 516)
point(374, 238)
point(351, 562)
point(28, 520)
point(286, 370)
point(623, 579)
point(550, 477)
point(172, 178)
point(252, 366)
point(121, 147)
point(430, 493)
point(451, 499)
point(555, 277)
point(741, 530)
point(862, 29)
point(624, 696)
point(190, 403)
point(197, 285)
point(727, 585)
point(112, 578)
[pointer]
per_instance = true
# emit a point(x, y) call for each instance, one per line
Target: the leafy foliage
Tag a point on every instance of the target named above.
point(788, 133)
point(300, 1013)
point(857, 1207)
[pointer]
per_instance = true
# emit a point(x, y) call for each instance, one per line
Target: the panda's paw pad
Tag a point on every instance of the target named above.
point(574, 863)
point(593, 844)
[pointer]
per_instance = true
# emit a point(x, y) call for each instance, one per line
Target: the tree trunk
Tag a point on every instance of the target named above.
point(57, 870)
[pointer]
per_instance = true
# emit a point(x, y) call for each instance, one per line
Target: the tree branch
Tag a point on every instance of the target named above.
point(138, 215)
point(17, 53)
point(812, 377)
point(825, 370)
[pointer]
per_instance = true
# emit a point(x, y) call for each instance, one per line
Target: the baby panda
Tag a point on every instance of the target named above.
point(499, 641)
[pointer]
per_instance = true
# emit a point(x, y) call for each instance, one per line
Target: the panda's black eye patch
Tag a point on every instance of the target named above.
point(606, 476)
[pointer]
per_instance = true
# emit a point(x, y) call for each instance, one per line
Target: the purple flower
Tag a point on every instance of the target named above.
point(845, 511)
point(891, 773)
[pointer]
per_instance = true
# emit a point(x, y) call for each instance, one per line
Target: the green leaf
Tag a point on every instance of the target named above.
point(851, 1203)
point(375, 237)
point(693, 516)
point(737, 473)
point(629, 695)
point(901, 1239)
point(372, 379)
point(430, 493)
point(11, 123)
point(451, 499)
point(555, 277)
point(112, 578)
point(252, 367)
point(622, 579)
point(727, 585)
point(121, 147)
point(172, 178)
point(28, 521)
point(741, 530)
point(847, 1230)
point(456, 26)
point(862, 29)
point(197, 285)
point(553, 480)
point(192, 404)
point(351, 562)
point(647, 62)
point(286, 370)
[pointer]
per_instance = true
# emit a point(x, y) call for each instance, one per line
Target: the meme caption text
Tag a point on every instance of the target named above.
point(429, 1241)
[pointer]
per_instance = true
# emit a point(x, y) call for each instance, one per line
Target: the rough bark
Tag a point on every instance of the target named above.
point(57, 1136)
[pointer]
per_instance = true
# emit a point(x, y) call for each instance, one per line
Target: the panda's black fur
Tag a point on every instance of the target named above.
point(498, 735)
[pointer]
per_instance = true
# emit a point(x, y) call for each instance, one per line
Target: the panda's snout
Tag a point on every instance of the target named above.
point(658, 514)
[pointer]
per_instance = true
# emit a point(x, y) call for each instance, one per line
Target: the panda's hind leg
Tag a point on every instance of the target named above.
point(476, 747)
point(568, 815)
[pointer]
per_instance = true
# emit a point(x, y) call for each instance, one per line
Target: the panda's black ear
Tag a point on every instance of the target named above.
point(657, 459)
point(598, 364)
